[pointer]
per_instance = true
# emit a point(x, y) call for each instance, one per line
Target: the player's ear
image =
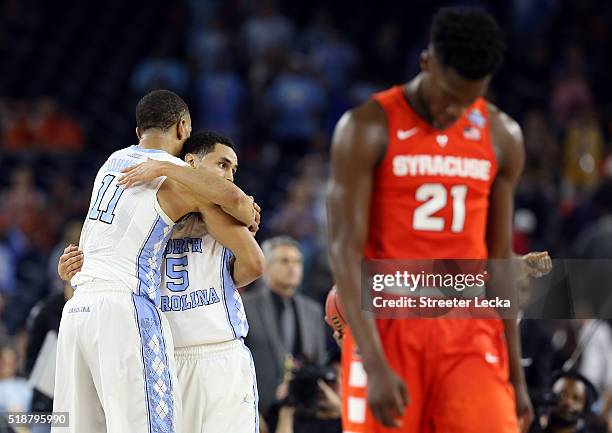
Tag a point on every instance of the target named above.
point(180, 130)
point(190, 159)
point(424, 60)
point(138, 133)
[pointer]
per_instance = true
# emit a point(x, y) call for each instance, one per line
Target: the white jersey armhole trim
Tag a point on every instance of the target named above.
point(158, 208)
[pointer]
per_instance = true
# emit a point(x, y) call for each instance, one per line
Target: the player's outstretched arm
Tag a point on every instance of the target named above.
point(508, 139)
point(208, 187)
point(358, 144)
point(249, 260)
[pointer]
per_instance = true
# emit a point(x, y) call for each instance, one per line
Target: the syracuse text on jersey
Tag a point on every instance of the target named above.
point(442, 165)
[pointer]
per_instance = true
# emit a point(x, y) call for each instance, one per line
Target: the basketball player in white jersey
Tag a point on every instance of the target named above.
point(215, 369)
point(115, 364)
point(205, 260)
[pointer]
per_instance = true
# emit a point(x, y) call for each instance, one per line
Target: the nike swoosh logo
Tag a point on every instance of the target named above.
point(403, 134)
point(491, 359)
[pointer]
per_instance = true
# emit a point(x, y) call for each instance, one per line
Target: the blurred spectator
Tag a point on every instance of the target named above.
point(596, 362)
point(297, 216)
point(540, 143)
point(42, 125)
point(266, 31)
point(529, 17)
point(334, 58)
point(17, 134)
point(15, 393)
point(7, 267)
point(283, 325)
point(583, 150)
point(537, 354)
point(595, 242)
point(160, 72)
point(54, 130)
point(575, 395)
point(23, 202)
point(570, 93)
point(221, 96)
point(209, 46)
point(3, 331)
point(313, 402)
point(296, 102)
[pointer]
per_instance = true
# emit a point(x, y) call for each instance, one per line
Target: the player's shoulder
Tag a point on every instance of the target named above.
point(507, 139)
point(504, 129)
point(361, 132)
point(367, 115)
point(164, 156)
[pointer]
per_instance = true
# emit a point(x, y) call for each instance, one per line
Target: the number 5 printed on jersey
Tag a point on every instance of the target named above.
point(176, 269)
point(108, 214)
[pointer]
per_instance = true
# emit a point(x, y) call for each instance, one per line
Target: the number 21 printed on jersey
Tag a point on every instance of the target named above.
point(435, 197)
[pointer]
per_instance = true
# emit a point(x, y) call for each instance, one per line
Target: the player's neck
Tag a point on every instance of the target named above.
point(159, 142)
point(415, 95)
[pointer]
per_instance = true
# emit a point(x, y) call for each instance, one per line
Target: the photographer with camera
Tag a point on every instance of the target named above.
point(571, 400)
point(313, 403)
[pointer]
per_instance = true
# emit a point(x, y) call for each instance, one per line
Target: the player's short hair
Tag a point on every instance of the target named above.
point(202, 142)
point(269, 245)
point(160, 109)
point(467, 40)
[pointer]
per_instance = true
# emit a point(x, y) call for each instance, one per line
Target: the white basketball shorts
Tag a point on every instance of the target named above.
point(115, 364)
point(218, 388)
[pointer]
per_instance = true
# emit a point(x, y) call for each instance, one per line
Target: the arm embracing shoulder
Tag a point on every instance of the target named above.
point(211, 188)
point(249, 259)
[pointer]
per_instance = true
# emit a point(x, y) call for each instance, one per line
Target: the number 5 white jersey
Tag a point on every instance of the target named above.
point(199, 297)
point(126, 230)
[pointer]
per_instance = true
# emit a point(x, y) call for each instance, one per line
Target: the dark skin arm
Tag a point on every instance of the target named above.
point(508, 141)
point(358, 144)
point(200, 184)
point(249, 261)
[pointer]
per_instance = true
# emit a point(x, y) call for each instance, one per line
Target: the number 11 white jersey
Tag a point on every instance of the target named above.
point(125, 231)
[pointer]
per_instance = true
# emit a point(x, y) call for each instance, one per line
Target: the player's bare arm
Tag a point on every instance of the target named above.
point(208, 186)
point(508, 141)
point(249, 261)
point(358, 145)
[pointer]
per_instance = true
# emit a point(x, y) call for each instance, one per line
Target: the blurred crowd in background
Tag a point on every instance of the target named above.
point(275, 77)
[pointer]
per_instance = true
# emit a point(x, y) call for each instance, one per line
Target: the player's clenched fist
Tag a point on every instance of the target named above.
point(387, 396)
point(70, 262)
point(537, 264)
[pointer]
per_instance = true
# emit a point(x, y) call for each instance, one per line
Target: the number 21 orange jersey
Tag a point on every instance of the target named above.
point(430, 193)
